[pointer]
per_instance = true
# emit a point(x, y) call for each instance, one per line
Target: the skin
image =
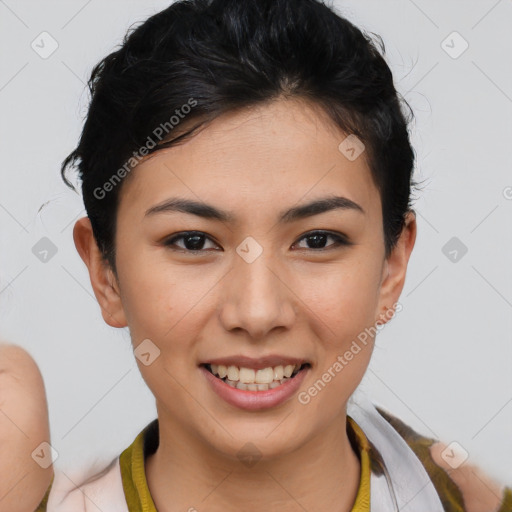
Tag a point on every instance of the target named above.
point(480, 493)
point(196, 307)
point(23, 427)
point(294, 299)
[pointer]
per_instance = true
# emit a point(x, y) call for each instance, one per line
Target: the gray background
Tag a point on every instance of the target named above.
point(444, 363)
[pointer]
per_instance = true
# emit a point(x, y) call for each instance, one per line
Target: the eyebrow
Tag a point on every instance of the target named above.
point(207, 211)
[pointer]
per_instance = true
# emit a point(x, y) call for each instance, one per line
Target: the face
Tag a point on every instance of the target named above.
point(265, 279)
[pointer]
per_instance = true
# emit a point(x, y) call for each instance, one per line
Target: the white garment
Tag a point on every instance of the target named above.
point(406, 487)
point(104, 494)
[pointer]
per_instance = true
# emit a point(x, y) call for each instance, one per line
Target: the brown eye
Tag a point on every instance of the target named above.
point(193, 241)
point(318, 239)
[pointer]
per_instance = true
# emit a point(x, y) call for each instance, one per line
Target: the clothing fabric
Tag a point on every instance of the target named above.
point(403, 479)
point(139, 498)
point(397, 472)
point(122, 485)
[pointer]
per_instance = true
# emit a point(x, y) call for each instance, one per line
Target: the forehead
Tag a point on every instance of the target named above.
point(283, 152)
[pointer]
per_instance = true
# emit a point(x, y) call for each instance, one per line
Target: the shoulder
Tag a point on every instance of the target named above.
point(100, 491)
point(461, 488)
point(100, 486)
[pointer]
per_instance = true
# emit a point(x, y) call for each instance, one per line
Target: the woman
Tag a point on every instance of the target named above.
point(246, 171)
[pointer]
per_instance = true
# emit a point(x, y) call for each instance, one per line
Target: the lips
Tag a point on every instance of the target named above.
point(256, 395)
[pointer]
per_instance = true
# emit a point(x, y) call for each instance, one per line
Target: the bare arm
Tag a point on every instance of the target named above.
point(24, 471)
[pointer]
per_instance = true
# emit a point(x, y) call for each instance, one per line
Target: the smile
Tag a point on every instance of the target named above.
point(248, 379)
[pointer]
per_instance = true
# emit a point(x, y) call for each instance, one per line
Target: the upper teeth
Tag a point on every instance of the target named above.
point(250, 376)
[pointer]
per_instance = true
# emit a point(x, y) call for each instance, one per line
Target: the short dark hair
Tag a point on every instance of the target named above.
point(216, 56)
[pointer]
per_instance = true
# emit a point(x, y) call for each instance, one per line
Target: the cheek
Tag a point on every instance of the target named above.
point(161, 300)
point(150, 296)
point(342, 309)
point(344, 298)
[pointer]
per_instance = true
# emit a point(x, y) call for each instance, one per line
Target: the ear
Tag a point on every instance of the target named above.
point(394, 270)
point(103, 279)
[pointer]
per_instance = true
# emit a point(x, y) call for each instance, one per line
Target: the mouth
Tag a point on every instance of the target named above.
point(249, 379)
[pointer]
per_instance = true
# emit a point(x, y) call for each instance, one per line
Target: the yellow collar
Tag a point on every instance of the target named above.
point(136, 488)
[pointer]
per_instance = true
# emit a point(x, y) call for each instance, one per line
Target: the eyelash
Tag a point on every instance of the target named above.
point(340, 240)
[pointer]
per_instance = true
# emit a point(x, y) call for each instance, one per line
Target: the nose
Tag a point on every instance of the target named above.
point(258, 298)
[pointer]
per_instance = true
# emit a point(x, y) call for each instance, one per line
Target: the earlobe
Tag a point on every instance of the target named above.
point(102, 278)
point(395, 269)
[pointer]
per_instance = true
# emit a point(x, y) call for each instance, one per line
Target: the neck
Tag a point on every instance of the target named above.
point(322, 474)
